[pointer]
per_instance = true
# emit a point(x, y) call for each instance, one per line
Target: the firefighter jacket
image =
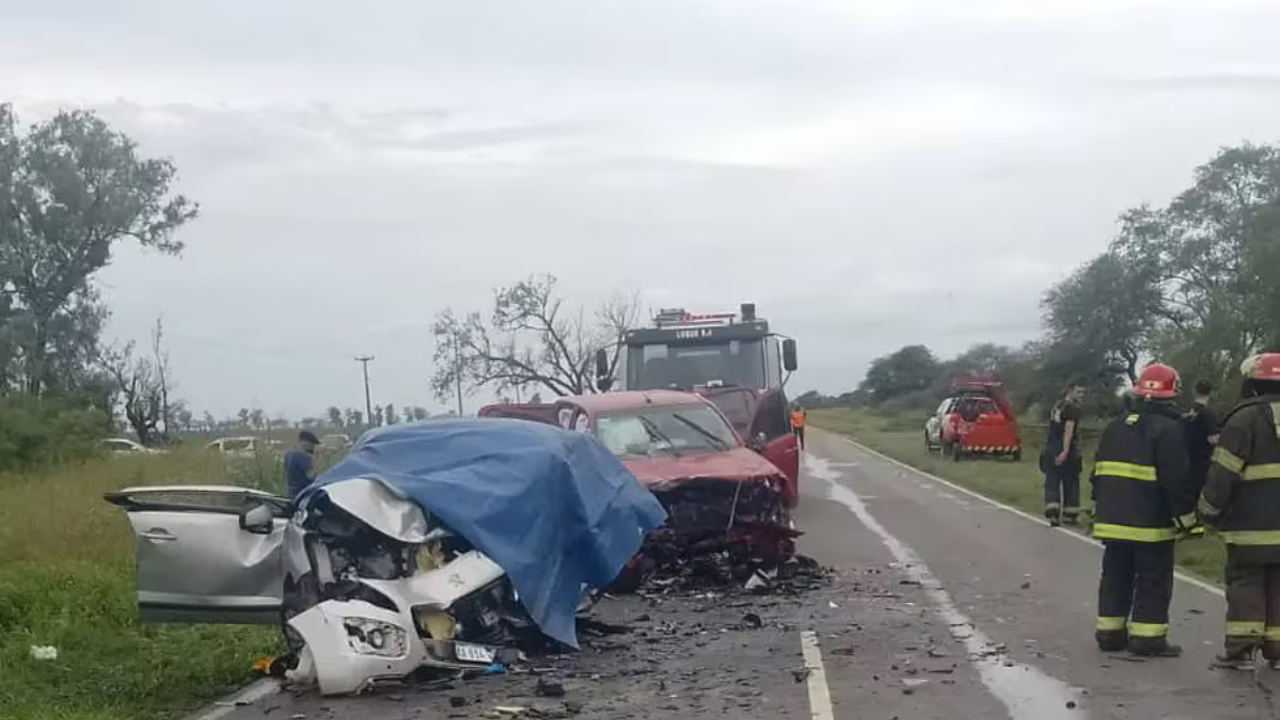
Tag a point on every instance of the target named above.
point(1142, 488)
point(1241, 496)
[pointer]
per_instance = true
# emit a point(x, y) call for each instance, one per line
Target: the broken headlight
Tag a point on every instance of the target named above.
point(367, 636)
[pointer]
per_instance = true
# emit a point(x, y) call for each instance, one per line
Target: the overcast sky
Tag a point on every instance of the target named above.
point(871, 174)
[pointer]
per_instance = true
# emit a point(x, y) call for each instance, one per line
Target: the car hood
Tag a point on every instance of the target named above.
point(736, 465)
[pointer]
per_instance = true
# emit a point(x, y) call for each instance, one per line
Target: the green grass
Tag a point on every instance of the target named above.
point(901, 436)
point(67, 580)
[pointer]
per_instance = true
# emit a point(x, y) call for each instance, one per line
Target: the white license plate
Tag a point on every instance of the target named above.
point(473, 653)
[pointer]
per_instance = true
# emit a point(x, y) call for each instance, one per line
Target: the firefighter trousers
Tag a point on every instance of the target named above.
point(1134, 593)
point(1253, 608)
point(1062, 494)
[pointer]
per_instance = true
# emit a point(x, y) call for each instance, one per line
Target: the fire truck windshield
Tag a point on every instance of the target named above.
point(732, 362)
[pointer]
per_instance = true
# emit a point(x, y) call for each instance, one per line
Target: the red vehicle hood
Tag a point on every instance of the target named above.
point(737, 465)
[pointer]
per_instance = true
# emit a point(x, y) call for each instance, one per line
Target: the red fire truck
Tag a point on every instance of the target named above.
point(730, 358)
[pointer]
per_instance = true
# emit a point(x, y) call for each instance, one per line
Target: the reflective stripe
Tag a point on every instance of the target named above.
point(1111, 624)
point(1132, 471)
point(1227, 459)
point(1275, 416)
point(1272, 634)
point(1131, 418)
point(1107, 531)
point(1268, 471)
point(1251, 537)
point(1206, 508)
point(1148, 630)
point(1245, 628)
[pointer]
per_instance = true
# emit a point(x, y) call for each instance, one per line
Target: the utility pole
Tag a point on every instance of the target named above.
point(368, 402)
point(457, 373)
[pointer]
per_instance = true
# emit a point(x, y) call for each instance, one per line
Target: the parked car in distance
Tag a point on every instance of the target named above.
point(125, 446)
point(975, 419)
point(243, 446)
point(335, 441)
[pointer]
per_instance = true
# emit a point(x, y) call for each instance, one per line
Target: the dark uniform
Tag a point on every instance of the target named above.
point(1242, 500)
point(1201, 424)
point(1062, 482)
point(1143, 496)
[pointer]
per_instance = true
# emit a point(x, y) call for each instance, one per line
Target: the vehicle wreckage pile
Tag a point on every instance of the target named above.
point(457, 547)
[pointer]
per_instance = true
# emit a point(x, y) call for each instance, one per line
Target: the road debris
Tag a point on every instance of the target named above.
point(44, 652)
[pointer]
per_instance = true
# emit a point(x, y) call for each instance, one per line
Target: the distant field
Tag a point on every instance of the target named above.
point(67, 580)
point(1019, 484)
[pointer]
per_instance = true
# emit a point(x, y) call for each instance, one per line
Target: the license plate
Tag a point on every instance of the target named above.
point(473, 653)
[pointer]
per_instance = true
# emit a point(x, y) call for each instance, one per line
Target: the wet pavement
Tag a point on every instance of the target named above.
point(940, 605)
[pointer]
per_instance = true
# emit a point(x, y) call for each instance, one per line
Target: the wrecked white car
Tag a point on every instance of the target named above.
point(442, 544)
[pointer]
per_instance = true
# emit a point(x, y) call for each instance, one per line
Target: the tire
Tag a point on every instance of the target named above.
point(957, 452)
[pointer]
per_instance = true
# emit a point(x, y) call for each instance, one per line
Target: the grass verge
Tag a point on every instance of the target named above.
point(67, 580)
point(901, 436)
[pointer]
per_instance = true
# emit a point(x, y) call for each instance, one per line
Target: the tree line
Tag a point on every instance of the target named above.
point(72, 191)
point(1190, 283)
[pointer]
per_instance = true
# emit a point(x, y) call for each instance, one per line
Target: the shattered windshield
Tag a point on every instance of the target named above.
point(734, 362)
point(671, 430)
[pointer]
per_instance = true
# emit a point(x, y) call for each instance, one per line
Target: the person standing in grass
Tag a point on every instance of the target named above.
point(300, 464)
point(1060, 459)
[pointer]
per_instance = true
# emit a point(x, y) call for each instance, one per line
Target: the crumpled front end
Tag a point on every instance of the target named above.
point(717, 532)
point(386, 590)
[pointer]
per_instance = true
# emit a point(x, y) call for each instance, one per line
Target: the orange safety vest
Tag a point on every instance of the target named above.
point(797, 419)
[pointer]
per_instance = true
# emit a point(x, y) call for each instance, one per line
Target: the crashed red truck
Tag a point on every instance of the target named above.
point(732, 359)
point(723, 498)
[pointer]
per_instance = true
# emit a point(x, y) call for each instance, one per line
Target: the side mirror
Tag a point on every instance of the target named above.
point(789, 355)
point(757, 442)
point(258, 520)
point(603, 381)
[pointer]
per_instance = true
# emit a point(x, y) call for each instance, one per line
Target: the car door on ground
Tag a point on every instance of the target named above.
point(196, 559)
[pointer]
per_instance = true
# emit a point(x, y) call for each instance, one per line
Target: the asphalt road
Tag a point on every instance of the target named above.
point(942, 605)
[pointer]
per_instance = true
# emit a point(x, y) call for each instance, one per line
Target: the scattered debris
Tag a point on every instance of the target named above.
point(1026, 585)
point(752, 621)
point(457, 701)
point(549, 689)
point(44, 652)
point(937, 652)
point(800, 674)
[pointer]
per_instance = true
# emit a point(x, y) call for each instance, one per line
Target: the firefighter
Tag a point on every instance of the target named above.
point(1060, 459)
point(1144, 499)
point(1241, 499)
point(798, 416)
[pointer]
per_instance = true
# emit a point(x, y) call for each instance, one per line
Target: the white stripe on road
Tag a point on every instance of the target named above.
point(1025, 690)
point(819, 693)
point(1189, 579)
point(247, 696)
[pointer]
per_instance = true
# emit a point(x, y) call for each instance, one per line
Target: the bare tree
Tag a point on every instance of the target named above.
point(531, 338)
point(143, 384)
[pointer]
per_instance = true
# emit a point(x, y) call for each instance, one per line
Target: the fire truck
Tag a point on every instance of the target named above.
point(732, 359)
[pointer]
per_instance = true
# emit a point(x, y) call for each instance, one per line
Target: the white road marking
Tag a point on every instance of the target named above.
point(247, 696)
point(1189, 579)
point(1027, 692)
point(819, 692)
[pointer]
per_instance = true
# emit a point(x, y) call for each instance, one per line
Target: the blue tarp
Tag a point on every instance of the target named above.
point(554, 508)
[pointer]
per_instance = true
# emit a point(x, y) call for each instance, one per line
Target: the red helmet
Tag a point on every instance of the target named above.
point(1264, 366)
point(1158, 382)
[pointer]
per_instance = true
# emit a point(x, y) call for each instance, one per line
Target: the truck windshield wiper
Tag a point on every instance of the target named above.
point(652, 428)
point(716, 441)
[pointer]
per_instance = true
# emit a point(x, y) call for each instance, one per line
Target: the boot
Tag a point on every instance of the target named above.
point(1154, 647)
point(1240, 658)
point(1053, 515)
point(1112, 640)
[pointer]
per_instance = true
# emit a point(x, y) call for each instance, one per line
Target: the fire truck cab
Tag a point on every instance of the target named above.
point(730, 358)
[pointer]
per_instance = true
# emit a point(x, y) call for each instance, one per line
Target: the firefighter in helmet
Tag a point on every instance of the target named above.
point(1241, 499)
point(1144, 498)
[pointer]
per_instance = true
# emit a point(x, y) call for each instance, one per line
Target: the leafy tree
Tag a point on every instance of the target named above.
point(910, 369)
point(243, 416)
point(376, 420)
point(335, 416)
point(71, 189)
point(389, 414)
point(257, 419)
point(355, 418)
point(530, 338)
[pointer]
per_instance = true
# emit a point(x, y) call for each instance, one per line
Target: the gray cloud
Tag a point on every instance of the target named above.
point(871, 174)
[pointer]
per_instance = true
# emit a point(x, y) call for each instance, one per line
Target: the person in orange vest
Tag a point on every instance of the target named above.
point(798, 416)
